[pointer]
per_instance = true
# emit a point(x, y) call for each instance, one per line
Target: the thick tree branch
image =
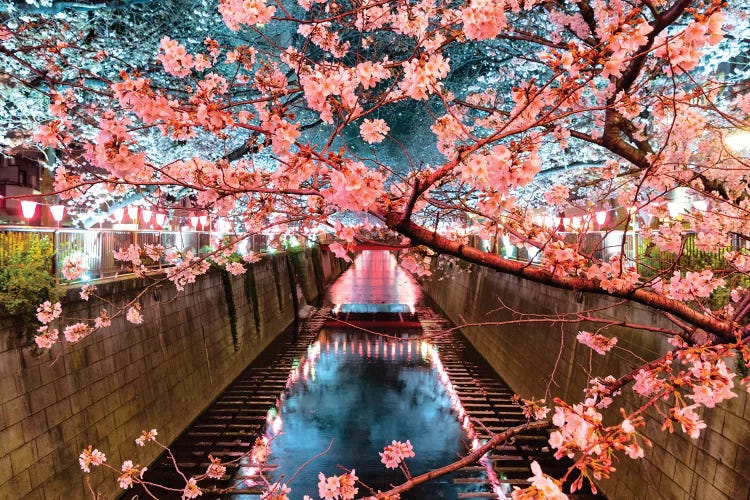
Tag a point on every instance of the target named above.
point(495, 440)
point(419, 235)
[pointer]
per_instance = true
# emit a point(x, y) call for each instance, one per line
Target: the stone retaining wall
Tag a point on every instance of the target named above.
point(716, 466)
point(160, 374)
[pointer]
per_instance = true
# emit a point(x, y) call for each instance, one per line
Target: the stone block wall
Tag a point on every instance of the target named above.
point(545, 360)
point(160, 374)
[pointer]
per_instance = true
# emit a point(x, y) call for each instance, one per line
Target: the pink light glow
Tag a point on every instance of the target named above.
point(133, 212)
point(601, 217)
point(58, 212)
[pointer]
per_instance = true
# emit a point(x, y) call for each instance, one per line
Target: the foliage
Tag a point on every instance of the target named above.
point(26, 278)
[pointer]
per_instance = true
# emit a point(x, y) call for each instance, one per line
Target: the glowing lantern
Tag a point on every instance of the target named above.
point(601, 217)
point(194, 221)
point(118, 214)
point(160, 218)
point(28, 208)
point(700, 205)
point(203, 220)
point(146, 215)
point(132, 212)
point(58, 212)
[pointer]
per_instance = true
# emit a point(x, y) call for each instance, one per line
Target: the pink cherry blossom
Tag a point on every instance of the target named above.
point(598, 343)
point(146, 437)
point(74, 266)
point(134, 314)
point(76, 332)
point(89, 457)
point(191, 489)
point(373, 131)
point(47, 312)
point(249, 12)
point(47, 337)
point(394, 453)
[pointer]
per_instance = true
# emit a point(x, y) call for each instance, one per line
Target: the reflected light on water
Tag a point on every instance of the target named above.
point(375, 278)
point(431, 351)
point(311, 421)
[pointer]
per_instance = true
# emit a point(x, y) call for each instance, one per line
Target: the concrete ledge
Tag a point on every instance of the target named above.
point(159, 374)
point(536, 358)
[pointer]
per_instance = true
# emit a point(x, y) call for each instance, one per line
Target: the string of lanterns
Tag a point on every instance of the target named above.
point(29, 211)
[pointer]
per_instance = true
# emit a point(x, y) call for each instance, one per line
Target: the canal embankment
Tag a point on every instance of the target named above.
point(160, 374)
point(538, 358)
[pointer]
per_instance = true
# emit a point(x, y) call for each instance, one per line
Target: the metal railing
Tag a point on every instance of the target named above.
point(96, 246)
point(602, 245)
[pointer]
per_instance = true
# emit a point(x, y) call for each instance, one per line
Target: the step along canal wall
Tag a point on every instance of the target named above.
point(716, 466)
point(159, 374)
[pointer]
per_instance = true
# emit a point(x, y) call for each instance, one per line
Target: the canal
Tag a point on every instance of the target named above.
point(359, 373)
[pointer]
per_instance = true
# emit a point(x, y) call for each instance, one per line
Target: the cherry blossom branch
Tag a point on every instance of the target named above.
point(475, 455)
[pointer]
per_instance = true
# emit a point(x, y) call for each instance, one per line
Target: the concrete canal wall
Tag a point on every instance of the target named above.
point(716, 466)
point(160, 374)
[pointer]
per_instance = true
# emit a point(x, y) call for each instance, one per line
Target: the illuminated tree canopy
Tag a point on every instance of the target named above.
point(442, 120)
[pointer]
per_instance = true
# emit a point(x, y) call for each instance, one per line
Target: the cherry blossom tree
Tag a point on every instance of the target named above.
point(442, 121)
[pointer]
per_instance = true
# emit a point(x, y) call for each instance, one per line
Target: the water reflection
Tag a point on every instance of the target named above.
point(361, 392)
point(374, 283)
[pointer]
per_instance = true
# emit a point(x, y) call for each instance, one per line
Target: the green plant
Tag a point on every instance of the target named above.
point(26, 278)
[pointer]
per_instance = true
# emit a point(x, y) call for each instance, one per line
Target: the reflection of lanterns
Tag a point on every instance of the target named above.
point(160, 218)
point(203, 220)
point(58, 212)
point(28, 208)
point(146, 215)
point(118, 214)
point(601, 217)
point(133, 212)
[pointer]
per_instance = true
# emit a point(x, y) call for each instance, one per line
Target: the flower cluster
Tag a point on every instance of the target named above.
point(249, 12)
point(86, 291)
point(373, 131)
point(134, 314)
point(338, 487)
point(47, 337)
point(129, 473)
point(542, 487)
point(532, 408)
point(89, 457)
point(277, 492)
point(394, 453)
point(260, 451)
point(614, 276)
point(215, 469)
point(48, 312)
point(146, 437)
point(598, 343)
point(76, 332)
point(692, 286)
point(74, 266)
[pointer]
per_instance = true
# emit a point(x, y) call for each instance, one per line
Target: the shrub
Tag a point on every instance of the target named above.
point(26, 278)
